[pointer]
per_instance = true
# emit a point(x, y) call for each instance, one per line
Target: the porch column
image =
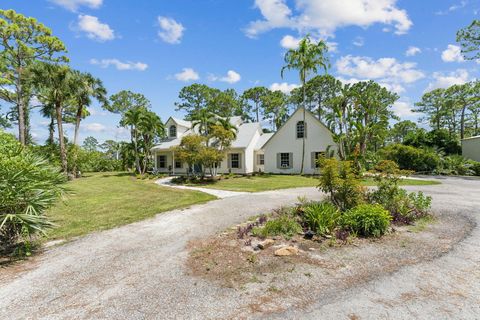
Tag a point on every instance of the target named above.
point(173, 162)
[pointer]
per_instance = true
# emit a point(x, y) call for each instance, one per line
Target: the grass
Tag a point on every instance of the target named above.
point(102, 201)
point(422, 223)
point(268, 182)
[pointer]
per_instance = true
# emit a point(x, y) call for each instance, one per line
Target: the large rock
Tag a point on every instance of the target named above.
point(286, 251)
point(266, 243)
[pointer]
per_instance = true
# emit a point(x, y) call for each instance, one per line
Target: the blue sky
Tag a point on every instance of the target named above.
point(157, 47)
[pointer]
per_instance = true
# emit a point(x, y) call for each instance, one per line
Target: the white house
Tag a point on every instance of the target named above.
point(471, 148)
point(253, 150)
point(283, 151)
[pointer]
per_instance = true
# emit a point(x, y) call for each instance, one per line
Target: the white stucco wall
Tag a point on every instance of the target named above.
point(471, 148)
point(318, 139)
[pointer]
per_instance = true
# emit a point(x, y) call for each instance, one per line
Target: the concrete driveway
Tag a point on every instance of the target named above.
point(137, 271)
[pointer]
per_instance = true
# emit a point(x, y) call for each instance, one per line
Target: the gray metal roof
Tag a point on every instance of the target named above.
point(262, 140)
point(245, 134)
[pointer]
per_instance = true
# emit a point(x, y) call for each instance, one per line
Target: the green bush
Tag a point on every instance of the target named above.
point(339, 180)
point(284, 225)
point(411, 158)
point(420, 203)
point(367, 220)
point(321, 217)
point(456, 165)
point(475, 167)
point(29, 186)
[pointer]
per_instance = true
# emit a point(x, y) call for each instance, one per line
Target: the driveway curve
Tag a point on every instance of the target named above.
point(137, 271)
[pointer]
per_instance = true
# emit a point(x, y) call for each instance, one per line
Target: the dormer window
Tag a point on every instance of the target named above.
point(172, 131)
point(301, 132)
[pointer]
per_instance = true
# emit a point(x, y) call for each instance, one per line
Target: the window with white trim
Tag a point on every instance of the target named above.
point(172, 131)
point(261, 159)
point(284, 160)
point(178, 164)
point(161, 162)
point(300, 129)
point(235, 160)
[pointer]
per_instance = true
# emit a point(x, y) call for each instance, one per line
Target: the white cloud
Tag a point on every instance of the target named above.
point(452, 8)
point(403, 109)
point(291, 42)
point(412, 51)
point(127, 65)
point(94, 28)
point(171, 30)
point(453, 53)
point(187, 74)
point(93, 127)
point(284, 87)
point(359, 42)
point(324, 17)
point(387, 71)
point(442, 80)
point(231, 77)
point(73, 5)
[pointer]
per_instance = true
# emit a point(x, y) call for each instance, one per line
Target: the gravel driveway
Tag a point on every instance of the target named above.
point(137, 271)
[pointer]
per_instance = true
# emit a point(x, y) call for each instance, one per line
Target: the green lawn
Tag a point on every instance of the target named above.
point(273, 182)
point(102, 201)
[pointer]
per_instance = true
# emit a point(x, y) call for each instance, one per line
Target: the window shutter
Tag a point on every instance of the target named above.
point(229, 161)
point(290, 160)
point(314, 161)
point(305, 129)
point(239, 161)
point(278, 161)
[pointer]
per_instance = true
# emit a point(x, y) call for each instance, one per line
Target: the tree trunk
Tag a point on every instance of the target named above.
point(51, 129)
point(135, 144)
point(61, 140)
point(304, 129)
point(21, 110)
point(78, 118)
point(462, 123)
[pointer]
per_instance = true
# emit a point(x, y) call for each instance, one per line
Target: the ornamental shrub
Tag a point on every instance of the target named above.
point(321, 217)
point(284, 225)
point(411, 158)
point(368, 220)
point(29, 186)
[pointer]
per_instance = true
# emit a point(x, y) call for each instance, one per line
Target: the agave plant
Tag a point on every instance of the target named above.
point(29, 187)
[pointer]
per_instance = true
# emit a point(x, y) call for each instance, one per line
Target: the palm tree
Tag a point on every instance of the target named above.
point(150, 127)
point(131, 118)
point(87, 87)
point(55, 86)
point(306, 59)
point(204, 119)
point(227, 125)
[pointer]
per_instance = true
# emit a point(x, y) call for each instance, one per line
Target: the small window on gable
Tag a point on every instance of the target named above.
point(172, 131)
point(301, 132)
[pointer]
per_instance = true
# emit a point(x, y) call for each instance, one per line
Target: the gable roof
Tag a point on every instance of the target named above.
point(262, 140)
point(245, 134)
point(298, 109)
point(180, 122)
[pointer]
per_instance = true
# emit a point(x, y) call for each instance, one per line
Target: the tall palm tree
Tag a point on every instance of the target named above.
point(86, 88)
point(306, 59)
point(150, 127)
point(131, 118)
point(55, 86)
point(227, 125)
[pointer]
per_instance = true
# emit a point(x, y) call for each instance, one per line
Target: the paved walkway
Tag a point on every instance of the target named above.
point(217, 193)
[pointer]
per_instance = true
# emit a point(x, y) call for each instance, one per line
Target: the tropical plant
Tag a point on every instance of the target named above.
point(30, 185)
point(410, 158)
point(55, 86)
point(23, 41)
point(283, 225)
point(368, 220)
point(307, 59)
point(339, 181)
point(321, 217)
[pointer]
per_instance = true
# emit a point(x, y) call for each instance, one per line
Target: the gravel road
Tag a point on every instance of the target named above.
point(137, 271)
